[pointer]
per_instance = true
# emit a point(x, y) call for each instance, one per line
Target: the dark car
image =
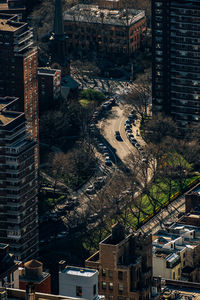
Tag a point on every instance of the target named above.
point(117, 135)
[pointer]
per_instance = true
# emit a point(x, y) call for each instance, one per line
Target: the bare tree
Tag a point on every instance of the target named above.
point(139, 96)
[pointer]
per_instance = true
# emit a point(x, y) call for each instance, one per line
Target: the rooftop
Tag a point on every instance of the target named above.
point(7, 23)
point(6, 115)
point(94, 14)
point(47, 71)
point(75, 271)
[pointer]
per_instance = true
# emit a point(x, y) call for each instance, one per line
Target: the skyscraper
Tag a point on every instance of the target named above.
point(176, 52)
point(18, 182)
point(18, 71)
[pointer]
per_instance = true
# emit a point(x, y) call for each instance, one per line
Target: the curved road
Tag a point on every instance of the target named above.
point(114, 123)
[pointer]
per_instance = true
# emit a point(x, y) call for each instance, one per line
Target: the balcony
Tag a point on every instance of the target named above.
point(13, 236)
point(13, 221)
point(23, 47)
point(28, 35)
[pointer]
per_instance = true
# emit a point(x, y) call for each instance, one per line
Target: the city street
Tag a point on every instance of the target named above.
point(115, 122)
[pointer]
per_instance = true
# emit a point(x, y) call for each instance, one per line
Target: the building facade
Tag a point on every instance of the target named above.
point(9, 273)
point(176, 51)
point(124, 263)
point(49, 87)
point(78, 282)
point(92, 29)
point(18, 72)
point(18, 183)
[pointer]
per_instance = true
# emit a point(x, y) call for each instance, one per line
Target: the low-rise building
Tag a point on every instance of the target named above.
point(94, 29)
point(176, 252)
point(124, 262)
point(78, 282)
point(33, 272)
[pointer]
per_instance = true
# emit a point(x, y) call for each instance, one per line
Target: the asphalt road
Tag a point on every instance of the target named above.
point(115, 122)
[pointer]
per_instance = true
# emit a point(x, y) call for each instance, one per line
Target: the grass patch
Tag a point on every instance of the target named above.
point(86, 103)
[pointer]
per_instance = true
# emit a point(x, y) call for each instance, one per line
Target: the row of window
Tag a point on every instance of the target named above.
point(110, 286)
point(109, 273)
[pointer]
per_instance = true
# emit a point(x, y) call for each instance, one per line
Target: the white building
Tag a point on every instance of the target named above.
point(79, 282)
point(176, 251)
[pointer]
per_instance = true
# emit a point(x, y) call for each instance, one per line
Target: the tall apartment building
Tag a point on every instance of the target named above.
point(176, 52)
point(18, 183)
point(13, 7)
point(91, 28)
point(124, 263)
point(18, 71)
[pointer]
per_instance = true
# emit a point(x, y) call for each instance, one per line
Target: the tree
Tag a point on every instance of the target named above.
point(159, 127)
point(139, 96)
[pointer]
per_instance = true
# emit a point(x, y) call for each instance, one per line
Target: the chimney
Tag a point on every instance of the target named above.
point(30, 291)
point(62, 265)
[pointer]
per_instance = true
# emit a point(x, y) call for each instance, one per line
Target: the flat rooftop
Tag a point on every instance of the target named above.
point(46, 71)
point(7, 24)
point(75, 271)
point(94, 14)
point(6, 116)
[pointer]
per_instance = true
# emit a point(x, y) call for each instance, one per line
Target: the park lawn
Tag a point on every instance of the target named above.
point(160, 189)
point(86, 103)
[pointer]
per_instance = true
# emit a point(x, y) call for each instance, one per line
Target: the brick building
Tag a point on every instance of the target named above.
point(49, 86)
point(90, 28)
point(19, 63)
point(124, 263)
point(33, 272)
point(18, 183)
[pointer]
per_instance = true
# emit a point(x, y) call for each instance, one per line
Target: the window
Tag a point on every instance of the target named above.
point(120, 287)
point(110, 273)
point(120, 275)
point(110, 286)
point(103, 272)
point(94, 289)
point(110, 297)
point(79, 291)
point(103, 285)
point(173, 275)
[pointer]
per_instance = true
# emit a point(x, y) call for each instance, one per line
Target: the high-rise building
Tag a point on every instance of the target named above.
point(18, 182)
point(18, 67)
point(176, 51)
point(124, 263)
point(13, 7)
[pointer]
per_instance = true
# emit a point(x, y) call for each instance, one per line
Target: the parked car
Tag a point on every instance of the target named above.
point(127, 127)
point(130, 135)
point(126, 122)
point(108, 162)
point(90, 190)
